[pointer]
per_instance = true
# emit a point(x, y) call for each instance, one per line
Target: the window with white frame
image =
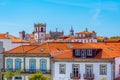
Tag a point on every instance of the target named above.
point(89, 52)
point(103, 69)
point(62, 68)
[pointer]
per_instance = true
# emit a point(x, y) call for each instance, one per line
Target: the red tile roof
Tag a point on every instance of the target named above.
point(21, 49)
point(13, 38)
point(3, 36)
point(64, 49)
point(17, 40)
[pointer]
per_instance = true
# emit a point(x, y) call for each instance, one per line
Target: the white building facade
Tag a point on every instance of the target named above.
point(29, 64)
point(83, 70)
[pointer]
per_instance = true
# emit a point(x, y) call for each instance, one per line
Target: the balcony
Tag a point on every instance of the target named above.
point(88, 76)
point(75, 76)
point(28, 71)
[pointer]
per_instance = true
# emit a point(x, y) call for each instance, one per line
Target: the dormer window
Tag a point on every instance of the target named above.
point(77, 52)
point(89, 52)
point(83, 53)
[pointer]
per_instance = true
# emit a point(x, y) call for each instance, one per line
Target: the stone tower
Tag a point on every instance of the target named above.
point(71, 31)
point(22, 35)
point(39, 32)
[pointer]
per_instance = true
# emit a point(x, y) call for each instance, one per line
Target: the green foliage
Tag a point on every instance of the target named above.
point(115, 37)
point(38, 76)
point(9, 74)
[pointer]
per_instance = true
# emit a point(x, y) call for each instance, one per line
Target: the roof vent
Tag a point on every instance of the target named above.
point(110, 49)
point(70, 46)
point(42, 49)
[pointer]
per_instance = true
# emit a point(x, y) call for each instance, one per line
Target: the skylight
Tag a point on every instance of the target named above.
point(110, 49)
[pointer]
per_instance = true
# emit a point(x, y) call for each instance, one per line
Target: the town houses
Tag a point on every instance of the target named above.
point(59, 57)
point(65, 60)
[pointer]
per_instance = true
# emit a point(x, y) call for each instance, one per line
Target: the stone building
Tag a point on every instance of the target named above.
point(56, 34)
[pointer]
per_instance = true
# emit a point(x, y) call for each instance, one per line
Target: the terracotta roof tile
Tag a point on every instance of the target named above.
point(21, 49)
point(3, 36)
point(17, 40)
point(31, 35)
point(47, 36)
point(64, 49)
point(85, 32)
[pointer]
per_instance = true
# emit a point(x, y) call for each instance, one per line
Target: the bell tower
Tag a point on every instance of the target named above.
point(71, 31)
point(39, 32)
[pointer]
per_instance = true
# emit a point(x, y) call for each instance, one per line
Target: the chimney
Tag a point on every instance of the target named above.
point(22, 35)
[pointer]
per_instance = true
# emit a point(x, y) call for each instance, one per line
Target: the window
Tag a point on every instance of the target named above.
point(62, 68)
point(10, 78)
point(75, 70)
point(18, 78)
point(89, 70)
point(103, 69)
point(119, 68)
point(42, 35)
point(41, 29)
point(9, 64)
point(18, 64)
point(36, 29)
point(32, 65)
point(43, 65)
point(89, 52)
point(77, 52)
point(83, 53)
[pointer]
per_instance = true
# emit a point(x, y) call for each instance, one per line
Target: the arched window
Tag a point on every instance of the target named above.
point(9, 64)
point(18, 64)
point(43, 65)
point(41, 29)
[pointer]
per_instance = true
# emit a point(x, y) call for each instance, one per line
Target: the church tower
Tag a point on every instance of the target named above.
point(71, 31)
point(39, 32)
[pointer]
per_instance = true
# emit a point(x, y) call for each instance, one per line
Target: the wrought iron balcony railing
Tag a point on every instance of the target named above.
point(88, 76)
point(75, 76)
point(28, 70)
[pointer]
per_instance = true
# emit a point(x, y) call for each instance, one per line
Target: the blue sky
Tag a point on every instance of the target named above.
point(103, 16)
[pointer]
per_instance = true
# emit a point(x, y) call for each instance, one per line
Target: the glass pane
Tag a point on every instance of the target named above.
point(43, 65)
point(10, 64)
point(18, 64)
point(32, 65)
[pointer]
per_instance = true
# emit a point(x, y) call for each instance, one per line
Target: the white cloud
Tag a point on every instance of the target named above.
point(104, 5)
point(96, 14)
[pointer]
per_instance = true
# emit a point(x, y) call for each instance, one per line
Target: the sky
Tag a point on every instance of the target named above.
point(102, 16)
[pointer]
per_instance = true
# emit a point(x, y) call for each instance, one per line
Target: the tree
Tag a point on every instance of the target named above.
point(115, 37)
point(9, 75)
point(38, 76)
